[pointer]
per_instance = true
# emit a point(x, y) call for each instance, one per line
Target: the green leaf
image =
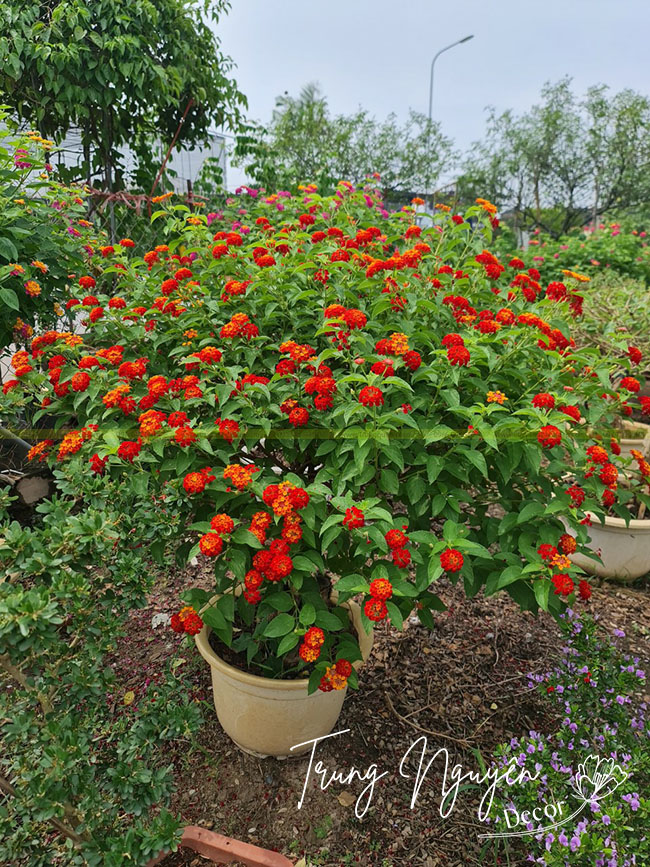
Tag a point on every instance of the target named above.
point(542, 588)
point(354, 583)
point(8, 251)
point(280, 625)
point(434, 466)
point(437, 433)
point(245, 537)
point(281, 601)
point(315, 679)
point(477, 459)
point(307, 614)
point(330, 522)
point(530, 510)
point(288, 643)
point(509, 575)
point(9, 297)
point(302, 564)
point(388, 481)
point(415, 489)
point(214, 618)
point(395, 615)
point(328, 621)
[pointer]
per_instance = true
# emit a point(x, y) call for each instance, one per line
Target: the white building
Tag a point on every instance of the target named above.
point(183, 165)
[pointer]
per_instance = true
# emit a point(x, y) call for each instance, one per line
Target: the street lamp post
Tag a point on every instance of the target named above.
point(433, 63)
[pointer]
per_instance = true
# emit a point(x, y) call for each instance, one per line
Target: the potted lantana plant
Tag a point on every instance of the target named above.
point(331, 406)
point(615, 522)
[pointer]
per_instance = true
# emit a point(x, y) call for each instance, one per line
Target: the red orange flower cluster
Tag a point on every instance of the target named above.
point(451, 560)
point(195, 483)
point(312, 643)
point(187, 621)
point(354, 518)
point(557, 558)
point(241, 475)
point(239, 326)
point(336, 676)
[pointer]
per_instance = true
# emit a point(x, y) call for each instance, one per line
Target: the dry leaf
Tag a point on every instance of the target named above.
point(129, 696)
point(346, 799)
point(301, 863)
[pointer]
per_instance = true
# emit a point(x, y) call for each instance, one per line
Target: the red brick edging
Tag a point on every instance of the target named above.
point(225, 850)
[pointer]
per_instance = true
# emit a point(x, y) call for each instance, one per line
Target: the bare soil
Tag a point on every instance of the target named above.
point(463, 686)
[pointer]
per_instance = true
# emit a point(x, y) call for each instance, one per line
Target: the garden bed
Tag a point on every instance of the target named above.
point(463, 685)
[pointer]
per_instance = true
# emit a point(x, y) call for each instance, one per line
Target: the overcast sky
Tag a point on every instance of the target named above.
point(377, 53)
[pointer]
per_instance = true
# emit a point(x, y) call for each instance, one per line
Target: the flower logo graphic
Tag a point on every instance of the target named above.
point(596, 778)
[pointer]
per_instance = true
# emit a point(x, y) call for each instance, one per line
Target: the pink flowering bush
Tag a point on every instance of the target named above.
point(41, 223)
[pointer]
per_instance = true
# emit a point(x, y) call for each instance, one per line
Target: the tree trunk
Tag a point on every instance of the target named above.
point(594, 214)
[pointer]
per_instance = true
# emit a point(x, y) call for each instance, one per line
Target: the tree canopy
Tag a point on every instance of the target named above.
point(567, 160)
point(119, 72)
point(305, 142)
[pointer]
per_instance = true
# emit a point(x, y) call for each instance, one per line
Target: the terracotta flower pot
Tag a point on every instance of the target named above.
point(225, 850)
point(623, 549)
point(266, 717)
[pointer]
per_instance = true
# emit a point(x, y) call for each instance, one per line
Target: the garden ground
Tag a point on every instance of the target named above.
point(464, 686)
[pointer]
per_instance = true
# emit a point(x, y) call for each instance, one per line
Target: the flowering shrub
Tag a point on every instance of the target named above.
point(617, 248)
point(594, 689)
point(313, 395)
point(39, 236)
point(621, 316)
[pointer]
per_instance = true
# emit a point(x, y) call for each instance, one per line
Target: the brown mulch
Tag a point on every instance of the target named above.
point(463, 686)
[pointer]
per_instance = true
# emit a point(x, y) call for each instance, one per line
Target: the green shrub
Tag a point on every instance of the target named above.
point(80, 768)
point(40, 231)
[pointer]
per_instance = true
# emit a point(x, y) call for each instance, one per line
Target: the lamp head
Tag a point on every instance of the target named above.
point(465, 39)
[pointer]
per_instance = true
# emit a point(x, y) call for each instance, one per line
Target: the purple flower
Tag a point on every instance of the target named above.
point(633, 801)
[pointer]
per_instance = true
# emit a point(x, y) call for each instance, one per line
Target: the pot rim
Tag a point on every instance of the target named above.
point(613, 523)
point(215, 661)
point(273, 683)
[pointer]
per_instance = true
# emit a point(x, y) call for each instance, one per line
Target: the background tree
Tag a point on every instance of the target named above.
point(567, 160)
point(119, 72)
point(305, 143)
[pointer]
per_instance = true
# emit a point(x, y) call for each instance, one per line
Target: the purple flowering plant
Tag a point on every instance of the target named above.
point(598, 756)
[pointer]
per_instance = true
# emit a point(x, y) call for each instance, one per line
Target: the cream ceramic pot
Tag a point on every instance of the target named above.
point(266, 717)
point(642, 443)
point(623, 549)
